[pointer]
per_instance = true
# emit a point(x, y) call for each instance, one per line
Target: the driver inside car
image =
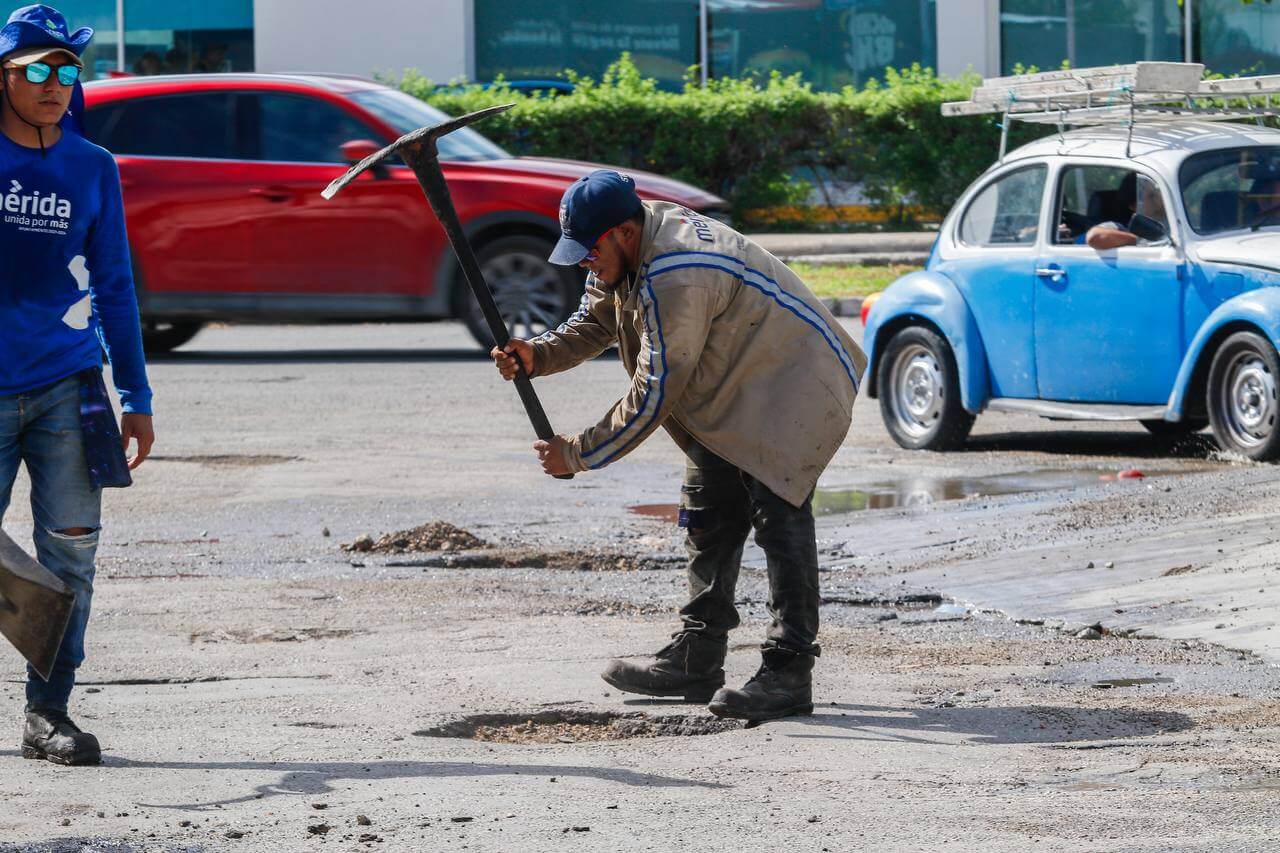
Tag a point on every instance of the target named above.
point(1143, 198)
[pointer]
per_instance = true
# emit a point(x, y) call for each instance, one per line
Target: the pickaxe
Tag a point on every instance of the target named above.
point(418, 149)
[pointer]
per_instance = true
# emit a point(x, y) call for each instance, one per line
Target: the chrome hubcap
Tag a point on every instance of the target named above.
point(917, 396)
point(526, 288)
point(1249, 408)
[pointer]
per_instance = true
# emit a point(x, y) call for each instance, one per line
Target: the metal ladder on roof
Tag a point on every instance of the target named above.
point(1119, 95)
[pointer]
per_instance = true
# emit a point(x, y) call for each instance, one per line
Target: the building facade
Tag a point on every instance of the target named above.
point(833, 43)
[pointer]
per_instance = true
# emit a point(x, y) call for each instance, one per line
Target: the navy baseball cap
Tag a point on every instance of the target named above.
point(591, 206)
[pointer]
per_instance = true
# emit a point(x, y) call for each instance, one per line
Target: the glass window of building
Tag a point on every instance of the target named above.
point(1235, 38)
point(832, 43)
point(188, 36)
point(539, 39)
point(1046, 33)
point(100, 56)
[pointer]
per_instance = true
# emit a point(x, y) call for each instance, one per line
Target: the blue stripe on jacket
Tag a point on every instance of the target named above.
point(759, 281)
point(644, 403)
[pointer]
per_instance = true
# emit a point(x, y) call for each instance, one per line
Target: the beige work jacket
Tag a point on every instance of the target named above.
point(724, 344)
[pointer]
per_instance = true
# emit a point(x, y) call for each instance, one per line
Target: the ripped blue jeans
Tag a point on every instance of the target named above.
point(42, 429)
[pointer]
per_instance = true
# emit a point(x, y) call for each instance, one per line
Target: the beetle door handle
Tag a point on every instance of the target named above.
point(1053, 272)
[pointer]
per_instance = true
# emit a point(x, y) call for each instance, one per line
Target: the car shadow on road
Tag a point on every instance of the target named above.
point(316, 778)
point(1139, 445)
point(1022, 724)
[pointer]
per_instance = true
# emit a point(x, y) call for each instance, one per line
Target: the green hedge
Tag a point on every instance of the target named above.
point(750, 140)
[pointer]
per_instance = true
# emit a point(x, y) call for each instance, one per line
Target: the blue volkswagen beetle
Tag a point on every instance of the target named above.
point(1017, 310)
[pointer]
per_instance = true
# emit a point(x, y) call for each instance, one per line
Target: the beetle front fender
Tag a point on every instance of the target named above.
point(932, 298)
point(1258, 308)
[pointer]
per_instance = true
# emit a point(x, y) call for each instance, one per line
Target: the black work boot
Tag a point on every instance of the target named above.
point(691, 667)
point(783, 687)
point(52, 735)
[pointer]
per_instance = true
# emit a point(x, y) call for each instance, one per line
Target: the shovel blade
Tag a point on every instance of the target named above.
point(35, 606)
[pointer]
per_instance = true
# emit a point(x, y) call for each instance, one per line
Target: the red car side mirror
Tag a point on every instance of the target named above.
point(358, 149)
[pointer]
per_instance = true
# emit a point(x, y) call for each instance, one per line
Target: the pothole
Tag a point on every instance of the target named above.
point(1109, 683)
point(529, 558)
point(906, 601)
point(596, 607)
point(568, 726)
point(464, 550)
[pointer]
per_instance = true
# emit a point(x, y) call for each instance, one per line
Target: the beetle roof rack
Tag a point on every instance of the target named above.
point(1119, 95)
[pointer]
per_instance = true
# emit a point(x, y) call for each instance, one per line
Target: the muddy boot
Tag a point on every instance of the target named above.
point(691, 667)
point(52, 735)
point(783, 687)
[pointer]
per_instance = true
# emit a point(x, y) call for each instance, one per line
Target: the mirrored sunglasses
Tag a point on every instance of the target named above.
point(38, 72)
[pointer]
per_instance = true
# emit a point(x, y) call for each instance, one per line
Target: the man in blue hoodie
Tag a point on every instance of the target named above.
point(66, 291)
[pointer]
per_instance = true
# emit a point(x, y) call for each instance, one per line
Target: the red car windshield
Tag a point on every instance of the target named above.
point(406, 113)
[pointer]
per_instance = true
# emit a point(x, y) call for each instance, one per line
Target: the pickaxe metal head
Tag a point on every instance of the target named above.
point(419, 153)
point(422, 141)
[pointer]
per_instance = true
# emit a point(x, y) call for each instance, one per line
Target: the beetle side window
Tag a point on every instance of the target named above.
point(1007, 211)
point(300, 129)
point(1106, 196)
point(200, 126)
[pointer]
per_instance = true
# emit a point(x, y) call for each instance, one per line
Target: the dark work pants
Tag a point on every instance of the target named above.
point(721, 505)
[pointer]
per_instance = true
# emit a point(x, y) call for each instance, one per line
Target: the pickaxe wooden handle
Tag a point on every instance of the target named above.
point(418, 149)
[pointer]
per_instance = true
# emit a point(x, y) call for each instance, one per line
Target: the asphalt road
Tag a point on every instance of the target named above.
point(258, 687)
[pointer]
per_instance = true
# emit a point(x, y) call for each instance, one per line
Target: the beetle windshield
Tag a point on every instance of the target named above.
point(1232, 188)
point(406, 113)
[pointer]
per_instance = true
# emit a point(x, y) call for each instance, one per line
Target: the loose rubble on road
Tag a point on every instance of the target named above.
point(464, 550)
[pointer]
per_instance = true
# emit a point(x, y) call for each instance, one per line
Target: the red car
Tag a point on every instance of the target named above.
point(222, 176)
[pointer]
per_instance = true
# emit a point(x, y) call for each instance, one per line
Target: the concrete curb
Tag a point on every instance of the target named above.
point(861, 243)
point(870, 259)
point(848, 306)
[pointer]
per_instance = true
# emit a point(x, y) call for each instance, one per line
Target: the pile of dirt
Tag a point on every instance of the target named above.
point(432, 536)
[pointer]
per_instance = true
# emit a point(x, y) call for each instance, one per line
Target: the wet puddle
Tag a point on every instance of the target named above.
point(922, 491)
point(662, 512)
point(569, 726)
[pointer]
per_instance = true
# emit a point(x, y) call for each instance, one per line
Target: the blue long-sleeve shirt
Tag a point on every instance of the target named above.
point(66, 282)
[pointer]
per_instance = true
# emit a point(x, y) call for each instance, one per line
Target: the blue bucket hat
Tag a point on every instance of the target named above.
point(591, 206)
point(41, 26)
point(32, 32)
